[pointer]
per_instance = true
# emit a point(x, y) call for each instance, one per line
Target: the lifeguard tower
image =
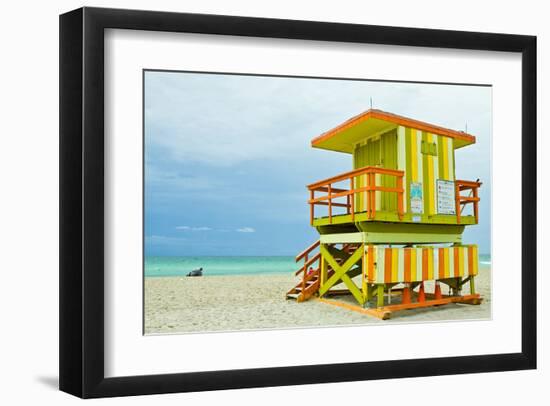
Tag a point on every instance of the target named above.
point(391, 229)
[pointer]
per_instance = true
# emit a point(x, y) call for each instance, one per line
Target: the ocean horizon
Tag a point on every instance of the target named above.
point(162, 266)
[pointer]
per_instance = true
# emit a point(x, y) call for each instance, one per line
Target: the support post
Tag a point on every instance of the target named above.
point(330, 203)
point(304, 274)
point(380, 295)
point(323, 271)
point(472, 285)
point(437, 292)
point(352, 200)
point(457, 202)
point(476, 211)
point(372, 195)
point(421, 293)
point(406, 295)
point(400, 197)
point(311, 206)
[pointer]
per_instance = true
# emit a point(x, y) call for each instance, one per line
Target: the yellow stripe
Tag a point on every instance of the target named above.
point(413, 264)
point(414, 157)
point(394, 260)
point(445, 141)
point(461, 261)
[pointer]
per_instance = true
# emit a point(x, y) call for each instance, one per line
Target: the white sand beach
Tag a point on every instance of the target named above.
point(251, 302)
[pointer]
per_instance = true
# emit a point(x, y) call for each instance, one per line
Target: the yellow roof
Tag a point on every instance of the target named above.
point(372, 122)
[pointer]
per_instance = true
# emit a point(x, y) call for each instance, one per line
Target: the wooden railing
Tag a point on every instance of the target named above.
point(308, 261)
point(370, 187)
point(472, 198)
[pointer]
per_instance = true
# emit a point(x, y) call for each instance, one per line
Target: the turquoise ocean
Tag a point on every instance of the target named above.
point(212, 266)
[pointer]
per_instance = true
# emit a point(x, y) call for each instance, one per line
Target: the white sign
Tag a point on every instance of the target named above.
point(446, 197)
point(416, 197)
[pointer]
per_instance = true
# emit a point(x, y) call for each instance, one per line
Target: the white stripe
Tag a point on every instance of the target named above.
point(418, 264)
point(380, 258)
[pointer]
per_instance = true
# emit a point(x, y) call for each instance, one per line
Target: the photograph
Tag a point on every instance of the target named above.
point(283, 202)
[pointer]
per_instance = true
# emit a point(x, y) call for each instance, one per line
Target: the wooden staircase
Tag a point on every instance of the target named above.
point(310, 270)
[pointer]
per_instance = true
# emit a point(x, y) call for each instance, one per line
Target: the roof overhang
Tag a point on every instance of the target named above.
point(374, 122)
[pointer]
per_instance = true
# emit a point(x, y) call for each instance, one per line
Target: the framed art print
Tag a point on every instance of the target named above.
point(241, 196)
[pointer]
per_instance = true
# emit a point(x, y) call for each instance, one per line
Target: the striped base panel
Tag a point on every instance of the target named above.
point(395, 265)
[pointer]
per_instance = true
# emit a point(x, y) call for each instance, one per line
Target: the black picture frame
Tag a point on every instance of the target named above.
point(82, 197)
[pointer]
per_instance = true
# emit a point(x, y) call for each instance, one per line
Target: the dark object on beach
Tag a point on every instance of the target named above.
point(195, 272)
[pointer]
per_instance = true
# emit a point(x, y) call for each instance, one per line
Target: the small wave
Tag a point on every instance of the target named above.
point(485, 262)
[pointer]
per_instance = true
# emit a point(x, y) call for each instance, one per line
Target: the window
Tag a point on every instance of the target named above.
point(429, 148)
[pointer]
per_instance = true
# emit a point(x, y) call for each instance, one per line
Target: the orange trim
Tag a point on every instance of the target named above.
point(320, 185)
point(473, 299)
point(470, 260)
point(397, 119)
point(407, 264)
point(371, 312)
point(424, 264)
point(385, 312)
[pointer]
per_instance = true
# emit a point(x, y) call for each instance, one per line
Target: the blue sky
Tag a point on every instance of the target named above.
point(227, 157)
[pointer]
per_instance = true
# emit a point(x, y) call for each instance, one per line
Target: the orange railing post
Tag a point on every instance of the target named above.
point(372, 193)
point(330, 203)
point(476, 201)
point(400, 197)
point(304, 276)
point(311, 206)
point(461, 201)
point(457, 201)
point(352, 204)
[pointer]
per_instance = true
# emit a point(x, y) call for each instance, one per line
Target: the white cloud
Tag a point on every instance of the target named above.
point(246, 230)
point(222, 120)
point(188, 228)
point(158, 240)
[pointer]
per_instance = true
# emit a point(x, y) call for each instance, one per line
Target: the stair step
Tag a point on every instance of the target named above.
point(292, 295)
